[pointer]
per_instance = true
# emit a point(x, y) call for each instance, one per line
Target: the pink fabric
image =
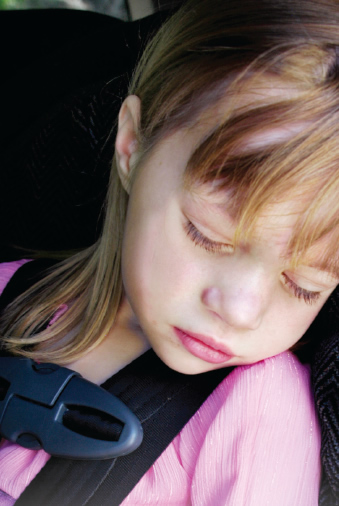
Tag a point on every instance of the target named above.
point(7, 269)
point(255, 441)
point(18, 466)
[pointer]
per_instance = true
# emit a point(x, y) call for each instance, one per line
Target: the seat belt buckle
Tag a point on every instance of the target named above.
point(49, 407)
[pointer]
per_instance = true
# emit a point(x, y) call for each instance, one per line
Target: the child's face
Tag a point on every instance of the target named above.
point(201, 304)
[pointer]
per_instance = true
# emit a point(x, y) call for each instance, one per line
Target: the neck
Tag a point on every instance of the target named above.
point(124, 343)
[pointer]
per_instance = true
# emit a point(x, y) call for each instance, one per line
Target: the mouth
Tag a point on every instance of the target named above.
point(204, 347)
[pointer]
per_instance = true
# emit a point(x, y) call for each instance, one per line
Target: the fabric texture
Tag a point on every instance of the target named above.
point(254, 441)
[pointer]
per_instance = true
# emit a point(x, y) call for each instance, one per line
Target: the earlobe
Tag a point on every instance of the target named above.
point(126, 144)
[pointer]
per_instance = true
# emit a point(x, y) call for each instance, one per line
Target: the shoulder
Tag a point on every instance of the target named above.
point(257, 437)
point(284, 367)
point(266, 389)
point(7, 269)
point(277, 381)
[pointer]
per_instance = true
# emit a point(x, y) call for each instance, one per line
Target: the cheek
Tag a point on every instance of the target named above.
point(135, 259)
point(157, 268)
point(292, 321)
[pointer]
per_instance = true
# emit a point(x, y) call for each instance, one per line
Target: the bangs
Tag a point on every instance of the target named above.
point(287, 151)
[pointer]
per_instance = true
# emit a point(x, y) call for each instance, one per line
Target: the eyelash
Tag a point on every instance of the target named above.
point(199, 239)
point(300, 293)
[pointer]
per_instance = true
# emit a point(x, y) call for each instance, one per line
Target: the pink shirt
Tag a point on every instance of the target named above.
point(254, 442)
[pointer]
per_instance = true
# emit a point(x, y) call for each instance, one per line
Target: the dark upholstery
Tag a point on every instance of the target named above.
point(65, 74)
point(325, 378)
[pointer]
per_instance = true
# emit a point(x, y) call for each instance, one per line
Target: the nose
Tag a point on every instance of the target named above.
point(240, 303)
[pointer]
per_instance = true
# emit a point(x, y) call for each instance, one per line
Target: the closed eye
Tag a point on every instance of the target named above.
point(300, 293)
point(204, 242)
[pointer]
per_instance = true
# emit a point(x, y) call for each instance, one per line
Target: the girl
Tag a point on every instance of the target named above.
point(219, 249)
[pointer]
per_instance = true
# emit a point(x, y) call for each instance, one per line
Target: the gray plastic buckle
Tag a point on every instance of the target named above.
point(36, 398)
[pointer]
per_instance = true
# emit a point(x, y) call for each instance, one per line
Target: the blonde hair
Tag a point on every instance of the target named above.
point(202, 56)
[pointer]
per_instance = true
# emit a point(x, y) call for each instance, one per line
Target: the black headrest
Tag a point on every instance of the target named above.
point(65, 74)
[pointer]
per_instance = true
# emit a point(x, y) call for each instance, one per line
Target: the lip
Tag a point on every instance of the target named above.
point(204, 347)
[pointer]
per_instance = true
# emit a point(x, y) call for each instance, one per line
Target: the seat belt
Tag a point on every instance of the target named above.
point(162, 399)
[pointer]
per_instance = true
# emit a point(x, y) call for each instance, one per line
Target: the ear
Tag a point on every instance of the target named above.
point(126, 143)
